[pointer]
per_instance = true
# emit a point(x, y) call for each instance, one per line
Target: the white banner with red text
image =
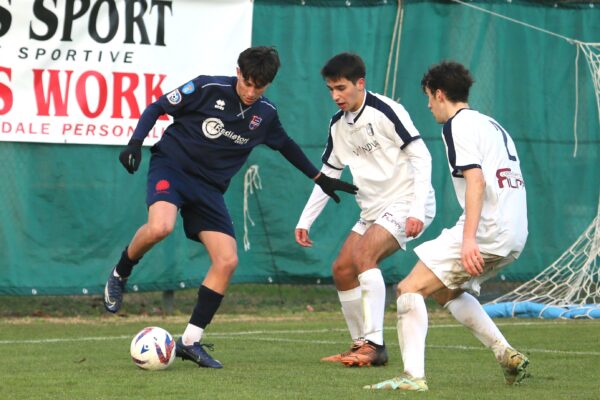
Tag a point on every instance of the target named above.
point(82, 71)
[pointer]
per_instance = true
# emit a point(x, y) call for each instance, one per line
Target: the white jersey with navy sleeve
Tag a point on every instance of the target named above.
point(474, 140)
point(373, 144)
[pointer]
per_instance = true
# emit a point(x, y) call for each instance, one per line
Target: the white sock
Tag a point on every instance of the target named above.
point(412, 331)
point(351, 301)
point(469, 312)
point(373, 300)
point(191, 334)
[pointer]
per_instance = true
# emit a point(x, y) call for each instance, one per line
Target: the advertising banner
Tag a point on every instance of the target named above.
point(82, 71)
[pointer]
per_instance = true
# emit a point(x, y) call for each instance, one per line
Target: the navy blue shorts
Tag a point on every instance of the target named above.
point(202, 206)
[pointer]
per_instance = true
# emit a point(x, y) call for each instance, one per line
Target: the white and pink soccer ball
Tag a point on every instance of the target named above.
point(153, 348)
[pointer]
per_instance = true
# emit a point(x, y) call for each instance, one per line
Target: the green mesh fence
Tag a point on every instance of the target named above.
point(68, 210)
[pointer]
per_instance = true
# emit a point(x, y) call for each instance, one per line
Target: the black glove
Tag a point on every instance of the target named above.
point(132, 155)
point(330, 185)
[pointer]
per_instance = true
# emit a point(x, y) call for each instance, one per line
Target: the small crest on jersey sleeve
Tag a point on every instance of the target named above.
point(255, 122)
point(188, 88)
point(174, 97)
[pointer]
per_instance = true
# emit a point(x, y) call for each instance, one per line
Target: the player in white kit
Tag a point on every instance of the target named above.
point(375, 137)
point(489, 235)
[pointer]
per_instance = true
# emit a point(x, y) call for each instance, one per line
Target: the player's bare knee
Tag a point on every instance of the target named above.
point(406, 286)
point(226, 263)
point(224, 268)
point(342, 271)
point(159, 231)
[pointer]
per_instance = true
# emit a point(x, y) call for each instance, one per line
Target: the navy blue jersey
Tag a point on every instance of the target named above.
point(213, 132)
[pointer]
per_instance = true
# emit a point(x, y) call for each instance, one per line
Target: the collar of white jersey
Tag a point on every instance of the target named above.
point(352, 116)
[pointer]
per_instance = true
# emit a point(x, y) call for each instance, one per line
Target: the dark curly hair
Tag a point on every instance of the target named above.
point(450, 77)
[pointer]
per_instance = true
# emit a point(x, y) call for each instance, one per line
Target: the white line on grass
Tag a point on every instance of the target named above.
point(528, 350)
point(62, 340)
point(264, 338)
point(243, 333)
point(447, 347)
point(287, 340)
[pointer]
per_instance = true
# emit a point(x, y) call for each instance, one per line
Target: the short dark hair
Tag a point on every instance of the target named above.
point(344, 65)
point(450, 77)
point(260, 64)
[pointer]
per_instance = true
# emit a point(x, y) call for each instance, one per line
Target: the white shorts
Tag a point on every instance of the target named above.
point(442, 256)
point(393, 220)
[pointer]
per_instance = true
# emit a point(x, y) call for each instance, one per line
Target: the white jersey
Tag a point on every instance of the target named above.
point(387, 158)
point(474, 140)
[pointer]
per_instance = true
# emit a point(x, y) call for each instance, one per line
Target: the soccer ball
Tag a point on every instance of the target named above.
point(153, 348)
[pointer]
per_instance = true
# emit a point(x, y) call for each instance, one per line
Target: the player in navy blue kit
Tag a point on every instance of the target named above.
point(217, 121)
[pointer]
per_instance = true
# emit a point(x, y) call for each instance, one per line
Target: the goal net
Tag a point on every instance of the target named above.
point(568, 288)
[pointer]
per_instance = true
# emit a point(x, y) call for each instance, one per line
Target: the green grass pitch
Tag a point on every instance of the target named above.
point(277, 357)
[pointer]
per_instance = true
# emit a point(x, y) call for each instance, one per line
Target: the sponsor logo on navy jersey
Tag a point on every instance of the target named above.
point(255, 122)
point(174, 97)
point(220, 105)
point(188, 88)
point(214, 128)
